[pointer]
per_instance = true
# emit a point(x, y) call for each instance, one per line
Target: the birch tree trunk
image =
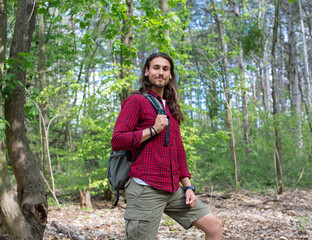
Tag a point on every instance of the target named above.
point(31, 195)
point(293, 76)
point(280, 68)
point(305, 56)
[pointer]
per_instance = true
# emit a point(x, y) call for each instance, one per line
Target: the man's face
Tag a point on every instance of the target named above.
point(159, 72)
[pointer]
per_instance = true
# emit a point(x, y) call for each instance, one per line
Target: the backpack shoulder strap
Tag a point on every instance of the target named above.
point(156, 104)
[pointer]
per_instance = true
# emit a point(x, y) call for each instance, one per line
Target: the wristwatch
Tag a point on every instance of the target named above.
point(190, 187)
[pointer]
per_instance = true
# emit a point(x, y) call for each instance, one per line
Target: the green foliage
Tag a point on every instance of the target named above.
point(303, 221)
point(3, 124)
point(51, 202)
point(253, 39)
point(84, 51)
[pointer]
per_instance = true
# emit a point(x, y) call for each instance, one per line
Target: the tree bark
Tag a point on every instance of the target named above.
point(125, 58)
point(43, 85)
point(241, 65)
point(10, 213)
point(277, 145)
point(164, 7)
point(266, 81)
point(306, 58)
point(293, 76)
point(228, 96)
point(31, 195)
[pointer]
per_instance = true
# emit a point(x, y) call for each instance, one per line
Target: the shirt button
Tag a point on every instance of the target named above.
point(171, 144)
point(172, 159)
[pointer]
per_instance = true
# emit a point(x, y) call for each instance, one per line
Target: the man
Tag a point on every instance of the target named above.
point(155, 176)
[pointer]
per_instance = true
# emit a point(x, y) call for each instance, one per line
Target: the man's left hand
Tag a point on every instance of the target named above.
point(190, 198)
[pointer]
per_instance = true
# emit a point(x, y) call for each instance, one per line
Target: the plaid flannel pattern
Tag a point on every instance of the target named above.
point(160, 166)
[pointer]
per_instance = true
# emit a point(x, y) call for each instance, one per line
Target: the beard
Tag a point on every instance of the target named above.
point(157, 84)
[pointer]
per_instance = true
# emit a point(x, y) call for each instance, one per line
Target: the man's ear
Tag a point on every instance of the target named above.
point(146, 72)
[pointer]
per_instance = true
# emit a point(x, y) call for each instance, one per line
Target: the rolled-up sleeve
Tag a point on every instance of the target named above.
point(125, 136)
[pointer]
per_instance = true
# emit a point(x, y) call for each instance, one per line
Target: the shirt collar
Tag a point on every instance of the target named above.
point(156, 95)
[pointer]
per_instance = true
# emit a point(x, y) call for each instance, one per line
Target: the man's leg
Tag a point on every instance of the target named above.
point(199, 215)
point(211, 226)
point(145, 206)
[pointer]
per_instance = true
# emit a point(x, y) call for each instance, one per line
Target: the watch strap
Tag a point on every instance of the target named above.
point(190, 187)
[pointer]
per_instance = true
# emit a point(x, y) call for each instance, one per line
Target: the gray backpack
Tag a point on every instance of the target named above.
point(119, 161)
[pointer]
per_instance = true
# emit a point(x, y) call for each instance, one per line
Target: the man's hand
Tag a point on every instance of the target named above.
point(161, 122)
point(190, 198)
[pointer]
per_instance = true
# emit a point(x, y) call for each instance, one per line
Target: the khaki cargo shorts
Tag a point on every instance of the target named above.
point(145, 206)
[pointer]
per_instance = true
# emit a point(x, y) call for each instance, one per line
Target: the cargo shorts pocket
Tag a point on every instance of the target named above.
point(137, 223)
point(133, 190)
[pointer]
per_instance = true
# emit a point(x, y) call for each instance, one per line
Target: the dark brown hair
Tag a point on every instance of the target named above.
point(170, 90)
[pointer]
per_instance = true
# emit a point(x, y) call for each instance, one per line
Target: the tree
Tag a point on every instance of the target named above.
point(276, 109)
point(29, 218)
point(228, 97)
point(241, 65)
point(293, 76)
point(163, 5)
point(125, 54)
point(43, 84)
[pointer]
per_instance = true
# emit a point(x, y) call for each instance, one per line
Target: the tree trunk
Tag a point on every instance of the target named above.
point(85, 199)
point(244, 100)
point(10, 213)
point(43, 85)
point(213, 106)
point(277, 145)
point(241, 65)
point(163, 5)
point(266, 81)
point(228, 96)
point(306, 59)
point(31, 195)
point(293, 77)
point(125, 58)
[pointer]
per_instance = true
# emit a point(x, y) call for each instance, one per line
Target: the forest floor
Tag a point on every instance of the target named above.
point(258, 216)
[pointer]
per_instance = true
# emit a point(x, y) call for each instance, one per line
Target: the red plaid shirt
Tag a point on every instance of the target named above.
point(160, 166)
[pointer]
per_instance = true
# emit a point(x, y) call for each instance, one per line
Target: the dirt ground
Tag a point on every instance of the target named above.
point(258, 216)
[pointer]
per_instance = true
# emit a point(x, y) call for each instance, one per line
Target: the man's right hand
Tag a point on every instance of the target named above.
point(161, 122)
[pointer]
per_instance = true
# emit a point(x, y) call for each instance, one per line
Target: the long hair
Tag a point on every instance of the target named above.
point(170, 90)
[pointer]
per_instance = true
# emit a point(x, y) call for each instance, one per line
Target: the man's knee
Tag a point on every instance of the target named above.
point(217, 225)
point(210, 224)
